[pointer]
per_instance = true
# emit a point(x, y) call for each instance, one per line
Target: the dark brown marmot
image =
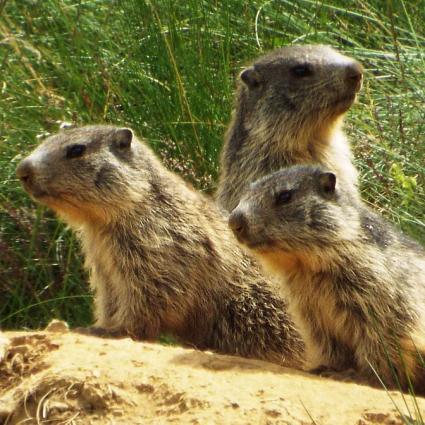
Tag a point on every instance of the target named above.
point(289, 110)
point(355, 285)
point(160, 255)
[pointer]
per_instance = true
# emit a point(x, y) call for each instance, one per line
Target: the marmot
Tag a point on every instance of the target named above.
point(160, 255)
point(355, 285)
point(289, 109)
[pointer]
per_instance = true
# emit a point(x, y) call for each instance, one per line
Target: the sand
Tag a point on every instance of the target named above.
point(62, 377)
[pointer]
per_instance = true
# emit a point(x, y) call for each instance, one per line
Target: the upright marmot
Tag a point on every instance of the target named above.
point(288, 110)
point(160, 255)
point(355, 285)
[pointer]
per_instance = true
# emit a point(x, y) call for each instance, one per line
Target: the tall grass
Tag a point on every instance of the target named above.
point(167, 69)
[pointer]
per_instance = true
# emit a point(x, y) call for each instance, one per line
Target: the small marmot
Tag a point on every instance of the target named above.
point(355, 284)
point(160, 255)
point(289, 110)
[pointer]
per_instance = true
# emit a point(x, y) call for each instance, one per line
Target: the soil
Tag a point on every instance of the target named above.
point(62, 377)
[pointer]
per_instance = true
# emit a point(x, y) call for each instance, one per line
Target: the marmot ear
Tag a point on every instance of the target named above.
point(327, 182)
point(123, 138)
point(250, 77)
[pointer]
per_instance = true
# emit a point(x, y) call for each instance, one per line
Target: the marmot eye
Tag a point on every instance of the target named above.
point(283, 197)
point(75, 151)
point(301, 71)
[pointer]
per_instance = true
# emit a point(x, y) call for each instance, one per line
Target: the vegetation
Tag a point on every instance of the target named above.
point(167, 69)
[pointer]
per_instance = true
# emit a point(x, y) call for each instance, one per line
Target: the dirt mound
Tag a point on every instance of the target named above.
point(22, 358)
point(66, 378)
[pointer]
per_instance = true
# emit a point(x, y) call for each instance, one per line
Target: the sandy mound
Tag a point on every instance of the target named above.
point(66, 378)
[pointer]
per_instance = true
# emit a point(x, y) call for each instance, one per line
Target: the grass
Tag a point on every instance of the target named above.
point(167, 69)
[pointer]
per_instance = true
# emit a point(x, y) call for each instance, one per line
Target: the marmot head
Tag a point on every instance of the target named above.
point(300, 86)
point(294, 209)
point(85, 174)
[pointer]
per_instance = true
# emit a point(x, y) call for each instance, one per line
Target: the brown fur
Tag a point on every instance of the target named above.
point(355, 284)
point(160, 255)
point(282, 119)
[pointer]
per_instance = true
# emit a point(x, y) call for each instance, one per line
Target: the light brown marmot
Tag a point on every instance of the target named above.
point(289, 110)
point(355, 285)
point(160, 255)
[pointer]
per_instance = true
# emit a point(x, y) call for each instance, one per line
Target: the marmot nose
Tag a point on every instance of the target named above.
point(25, 171)
point(354, 72)
point(238, 224)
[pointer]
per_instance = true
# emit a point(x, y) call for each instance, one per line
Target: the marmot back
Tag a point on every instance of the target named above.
point(160, 255)
point(288, 110)
point(355, 285)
